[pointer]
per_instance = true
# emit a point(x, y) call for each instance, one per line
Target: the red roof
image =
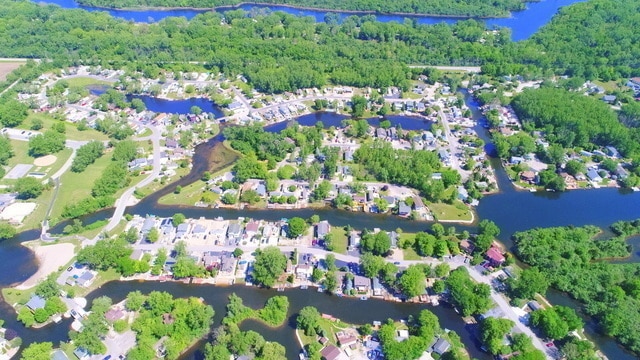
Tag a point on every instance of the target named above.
point(495, 255)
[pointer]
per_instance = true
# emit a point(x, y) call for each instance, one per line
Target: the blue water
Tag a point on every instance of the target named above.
point(178, 106)
point(523, 23)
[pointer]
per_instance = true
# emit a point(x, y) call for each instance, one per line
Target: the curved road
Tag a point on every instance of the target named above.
point(123, 201)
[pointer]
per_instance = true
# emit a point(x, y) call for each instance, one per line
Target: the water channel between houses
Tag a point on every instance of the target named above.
point(512, 210)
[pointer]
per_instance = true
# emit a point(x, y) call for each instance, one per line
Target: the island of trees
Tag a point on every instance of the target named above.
point(574, 262)
point(473, 8)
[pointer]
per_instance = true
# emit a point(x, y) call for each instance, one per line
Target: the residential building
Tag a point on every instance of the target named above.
point(441, 346)
point(495, 257)
point(322, 229)
point(362, 284)
point(332, 352)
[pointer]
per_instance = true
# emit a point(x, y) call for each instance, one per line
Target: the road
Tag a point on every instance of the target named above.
point(9, 87)
point(471, 69)
point(123, 201)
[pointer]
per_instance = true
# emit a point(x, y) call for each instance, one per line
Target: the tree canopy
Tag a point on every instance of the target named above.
point(270, 263)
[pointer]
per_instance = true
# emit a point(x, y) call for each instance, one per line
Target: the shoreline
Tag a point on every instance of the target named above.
point(298, 7)
point(50, 258)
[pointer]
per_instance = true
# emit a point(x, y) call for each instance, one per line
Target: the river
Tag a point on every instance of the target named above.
point(522, 24)
point(512, 210)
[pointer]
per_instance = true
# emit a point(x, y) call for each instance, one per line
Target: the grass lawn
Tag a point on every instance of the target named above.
point(189, 195)
point(77, 186)
point(34, 220)
point(72, 133)
point(410, 254)
point(14, 296)
point(339, 240)
point(456, 212)
point(85, 81)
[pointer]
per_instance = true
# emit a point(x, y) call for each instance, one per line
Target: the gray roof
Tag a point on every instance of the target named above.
point(234, 229)
point(404, 208)
point(322, 228)
point(36, 302)
point(441, 346)
point(59, 355)
point(148, 224)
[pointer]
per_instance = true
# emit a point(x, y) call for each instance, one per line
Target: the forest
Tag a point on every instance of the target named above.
point(463, 8)
point(574, 262)
point(571, 119)
point(280, 52)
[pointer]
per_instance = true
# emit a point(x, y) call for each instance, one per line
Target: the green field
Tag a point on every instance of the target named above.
point(189, 195)
point(77, 186)
point(447, 212)
point(72, 133)
point(85, 81)
point(340, 241)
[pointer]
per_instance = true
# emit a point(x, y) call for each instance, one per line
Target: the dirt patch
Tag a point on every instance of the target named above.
point(46, 160)
point(7, 67)
point(50, 258)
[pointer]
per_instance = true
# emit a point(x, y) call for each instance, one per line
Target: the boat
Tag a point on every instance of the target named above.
point(363, 298)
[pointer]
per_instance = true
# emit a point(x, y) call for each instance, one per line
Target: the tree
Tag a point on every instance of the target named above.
point(330, 282)
point(40, 315)
point(308, 320)
point(125, 151)
point(86, 155)
point(531, 281)
point(6, 231)
point(237, 252)
point(26, 317)
point(178, 218)
point(492, 333)
point(270, 263)
point(358, 106)
point(574, 167)
point(48, 288)
point(296, 227)
point(412, 281)
point(38, 351)
point(55, 305)
point(135, 300)
point(250, 196)
point(556, 322)
point(470, 297)
point(196, 110)
point(442, 270)
point(6, 150)
point(49, 142)
point(13, 112)
point(28, 188)
point(378, 243)
point(153, 235)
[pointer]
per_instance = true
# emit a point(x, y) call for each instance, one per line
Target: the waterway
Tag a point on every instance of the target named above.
point(512, 210)
point(522, 24)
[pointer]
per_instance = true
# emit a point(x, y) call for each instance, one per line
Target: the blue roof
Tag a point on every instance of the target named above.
point(36, 302)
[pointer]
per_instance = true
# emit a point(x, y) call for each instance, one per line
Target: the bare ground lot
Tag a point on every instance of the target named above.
point(8, 66)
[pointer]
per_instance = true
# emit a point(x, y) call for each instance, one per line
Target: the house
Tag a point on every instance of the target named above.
point(592, 175)
point(418, 204)
point(227, 264)
point(612, 151)
point(495, 257)
point(361, 283)
point(393, 237)
point(149, 223)
point(377, 287)
point(182, 231)
point(251, 229)
point(171, 143)
point(514, 160)
point(441, 346)
point(528, 176)
point(534, 305)
point(348, 155)
point(234, 231)
point(113, 315)
point(609, 99)
point(332, 352)
point(59, 355)
point(137, 164)
point(346, 338)
point(467, 246)
point(35, 303)
point(621, 172)
point(354, 239)
point(403, 209)
point(81, 353)
point(86, 279)
point(304, 271)
point(322, 229)
point(402, 335)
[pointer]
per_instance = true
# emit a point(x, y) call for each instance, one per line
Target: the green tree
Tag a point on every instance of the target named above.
point(6, 150)
point(153, 235)
point(26, 317)
point(6, 231)
point(492, 333)
point(308, 320)
point(50, 142)
point(270, 263)
point(378, 243)
point(178, 218)
point(531, 281)
point(296, 227)
point(358, 106)
point(135, 300)
point(28, 188)
point(412, 281)
point(37, 351)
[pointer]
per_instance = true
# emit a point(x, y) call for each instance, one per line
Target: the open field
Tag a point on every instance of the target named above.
point(71, 133)
point(77, 186)
point(189, 195)
point(447, 212)
point(7, 67)
point(85, 81)
point(339, 239)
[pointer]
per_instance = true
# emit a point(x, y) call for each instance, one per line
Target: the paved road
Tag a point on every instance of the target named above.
point(123, 201)
point(471, 69)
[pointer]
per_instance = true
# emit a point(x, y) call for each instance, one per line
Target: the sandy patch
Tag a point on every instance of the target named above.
point(7, 67)
point(16, 212)
point(50, 258)
point(46, 160)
